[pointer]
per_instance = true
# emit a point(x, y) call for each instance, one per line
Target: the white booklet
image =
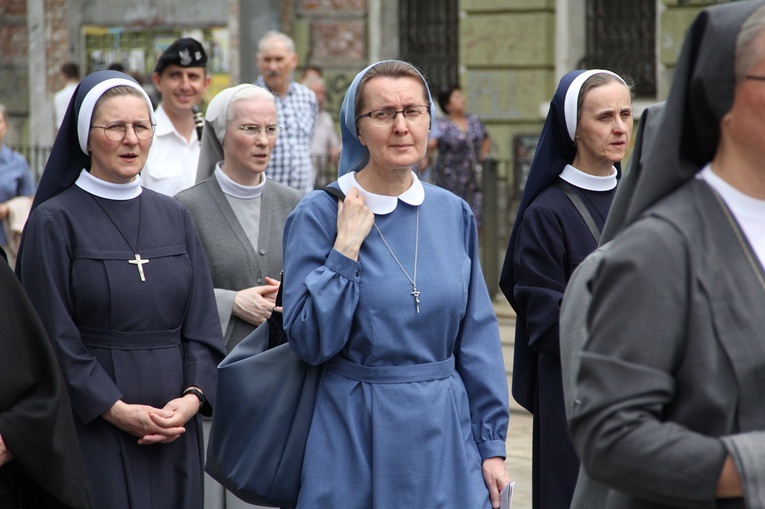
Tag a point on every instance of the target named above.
point(506, 496)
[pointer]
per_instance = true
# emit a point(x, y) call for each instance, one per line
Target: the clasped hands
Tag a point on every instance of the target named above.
point(154, 425)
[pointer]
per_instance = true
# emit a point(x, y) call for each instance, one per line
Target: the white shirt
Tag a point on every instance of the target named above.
point(748, 211)
point(172, 163)
point(61, 102)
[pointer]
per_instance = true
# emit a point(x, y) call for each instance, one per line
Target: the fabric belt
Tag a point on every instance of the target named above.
point(138, 340)
point(392, 374)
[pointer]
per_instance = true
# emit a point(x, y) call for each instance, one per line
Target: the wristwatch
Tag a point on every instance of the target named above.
point(196, 392)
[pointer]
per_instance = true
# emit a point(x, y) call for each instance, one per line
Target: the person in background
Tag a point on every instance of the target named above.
point(119, 279)
point(71, 74)
point(462, 144)
point(16, 188)
point(325, 144)
point(240, 215)
point(180, 77)
point(40, 462)
point(296, 108)
point(668, 400)
point(385, 289)
point(572, 182)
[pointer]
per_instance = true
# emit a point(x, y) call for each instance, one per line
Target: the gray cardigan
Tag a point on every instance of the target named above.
point(234, 264)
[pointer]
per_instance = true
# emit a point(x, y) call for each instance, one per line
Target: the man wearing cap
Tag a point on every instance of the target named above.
point(180, 76)
point(297, 110)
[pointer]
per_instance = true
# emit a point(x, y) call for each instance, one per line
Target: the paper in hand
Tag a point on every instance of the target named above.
point(506, 496)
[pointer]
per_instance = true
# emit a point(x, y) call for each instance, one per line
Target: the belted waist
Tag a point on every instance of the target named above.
point(392, 374)
point(133, 340)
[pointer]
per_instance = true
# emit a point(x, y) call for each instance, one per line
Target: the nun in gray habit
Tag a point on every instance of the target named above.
point(667, 408)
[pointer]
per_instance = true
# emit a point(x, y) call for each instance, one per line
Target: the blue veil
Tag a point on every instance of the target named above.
point(354, 156)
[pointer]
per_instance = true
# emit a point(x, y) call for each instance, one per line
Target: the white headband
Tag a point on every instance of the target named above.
point(89, 103)
point(572, 97)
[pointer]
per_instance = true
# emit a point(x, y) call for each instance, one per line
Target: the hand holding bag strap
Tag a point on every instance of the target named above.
point(276, 334)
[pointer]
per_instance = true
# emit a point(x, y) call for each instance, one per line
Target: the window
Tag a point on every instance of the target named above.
point(621, 37)
point(428, 32)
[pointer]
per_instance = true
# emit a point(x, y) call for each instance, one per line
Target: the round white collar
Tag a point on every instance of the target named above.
point(589, 182)
point(381, 204)
point(108, 190)
point(236, 189)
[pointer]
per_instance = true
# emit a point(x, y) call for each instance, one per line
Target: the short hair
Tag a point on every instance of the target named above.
point(746, 50)
point(116, 66)
point(248, 93)
point(70, 70)
point(278, 36)
point(388, 69)
point(445, 93)
point(595, 81)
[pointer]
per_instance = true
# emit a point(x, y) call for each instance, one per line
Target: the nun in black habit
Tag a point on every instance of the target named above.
point(667, 407)
point(118, 277)
point(40, 462)
point(586, 133)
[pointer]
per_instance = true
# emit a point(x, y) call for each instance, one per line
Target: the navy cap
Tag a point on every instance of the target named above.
point(186, 52)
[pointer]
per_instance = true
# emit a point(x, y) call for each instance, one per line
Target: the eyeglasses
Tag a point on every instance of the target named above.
point(271, 131)
point(385, 118)
point(118, 131)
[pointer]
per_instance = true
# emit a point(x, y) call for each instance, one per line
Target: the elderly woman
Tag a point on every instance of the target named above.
point(668, 406)
point(119, 279)
point(386, 290)
point(567, 196)
point(240, 216)
point(238, 212)
point(16, 187)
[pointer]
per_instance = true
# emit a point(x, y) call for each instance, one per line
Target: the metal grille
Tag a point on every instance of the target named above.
point(428, 33)
point(621, 37)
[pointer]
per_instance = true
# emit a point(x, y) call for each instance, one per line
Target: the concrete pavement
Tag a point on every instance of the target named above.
point(519, 432)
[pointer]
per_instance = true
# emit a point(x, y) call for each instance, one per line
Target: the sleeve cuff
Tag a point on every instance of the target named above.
point(748, 452)
point(492, 448)
point(349, 269)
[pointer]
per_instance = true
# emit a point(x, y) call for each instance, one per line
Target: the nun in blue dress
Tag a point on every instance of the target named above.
point(119, 279)
point(386, 290)
point(585, 135)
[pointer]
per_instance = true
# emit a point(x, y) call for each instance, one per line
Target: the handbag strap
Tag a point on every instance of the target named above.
point(337, 193)
point(580, 207)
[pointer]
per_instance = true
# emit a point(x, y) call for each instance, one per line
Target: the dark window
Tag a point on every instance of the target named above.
point(428, 38)
point(621, 37)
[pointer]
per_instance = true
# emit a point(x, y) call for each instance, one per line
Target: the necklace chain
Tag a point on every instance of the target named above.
point(137, 260)
point(413, 280)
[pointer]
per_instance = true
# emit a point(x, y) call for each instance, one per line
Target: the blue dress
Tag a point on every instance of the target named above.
point(410, 403)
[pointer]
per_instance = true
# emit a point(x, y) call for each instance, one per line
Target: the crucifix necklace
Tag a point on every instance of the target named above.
point(137, 260)
point(413, 280)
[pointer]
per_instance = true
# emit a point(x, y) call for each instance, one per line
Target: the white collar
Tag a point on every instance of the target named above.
point(381, 204)
point(742, 204)
point(589, 182)
point(108, 190)
point(236, 189)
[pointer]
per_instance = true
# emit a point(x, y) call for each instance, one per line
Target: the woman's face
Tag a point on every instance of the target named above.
point(246, 154)
point(456, 102)
point(605, 125)
point(403, 143)
point(118, 161)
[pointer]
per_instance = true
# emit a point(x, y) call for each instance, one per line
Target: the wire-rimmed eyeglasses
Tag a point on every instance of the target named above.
point(117, 131)
point(386, 117)
point(271, 131)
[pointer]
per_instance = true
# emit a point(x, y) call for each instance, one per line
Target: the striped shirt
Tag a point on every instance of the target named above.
point(291, 159)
